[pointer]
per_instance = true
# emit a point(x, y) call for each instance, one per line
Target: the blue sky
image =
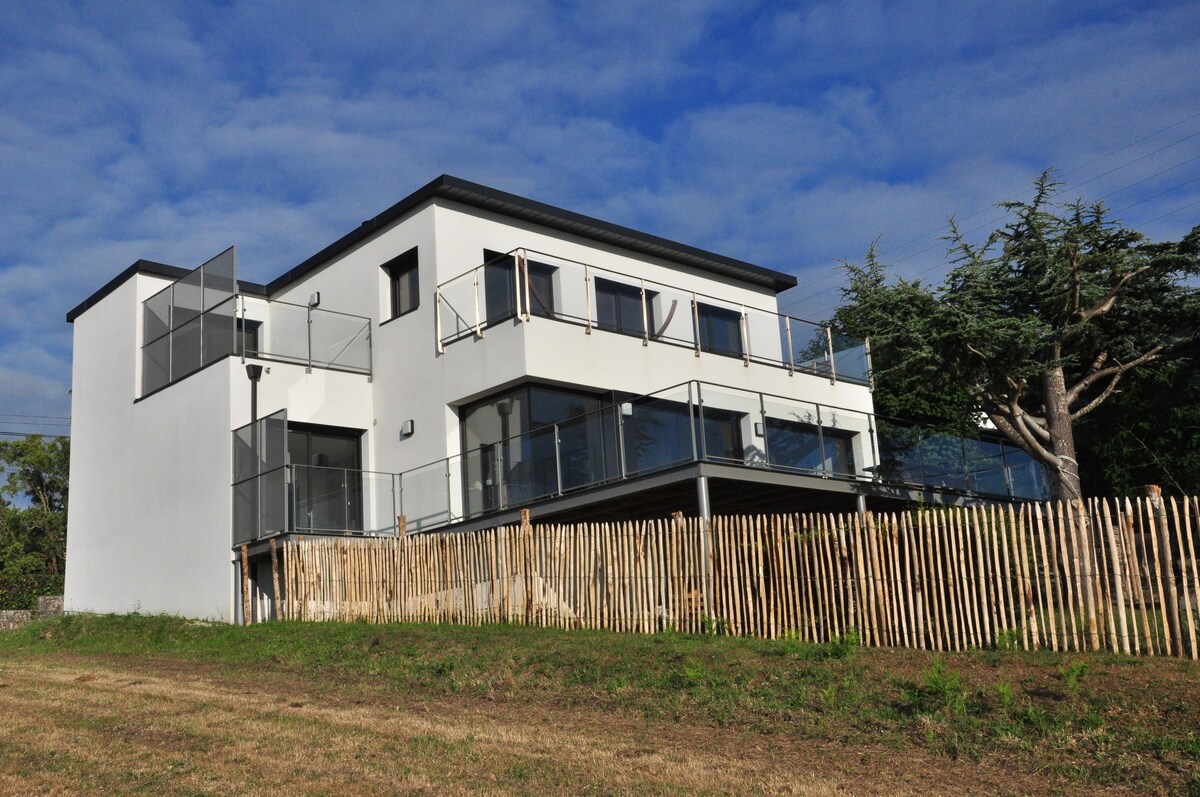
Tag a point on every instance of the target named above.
point(787, 134)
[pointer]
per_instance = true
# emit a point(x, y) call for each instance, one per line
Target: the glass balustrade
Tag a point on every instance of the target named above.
point(525, 284)
point(308, 336)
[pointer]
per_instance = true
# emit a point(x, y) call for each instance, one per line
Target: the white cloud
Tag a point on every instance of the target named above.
point(787, 137)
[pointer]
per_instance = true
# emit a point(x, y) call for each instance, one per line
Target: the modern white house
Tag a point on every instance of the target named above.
point(463, 355)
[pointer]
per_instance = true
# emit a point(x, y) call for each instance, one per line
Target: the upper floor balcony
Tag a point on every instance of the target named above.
point(524, 284)
point(201, 318)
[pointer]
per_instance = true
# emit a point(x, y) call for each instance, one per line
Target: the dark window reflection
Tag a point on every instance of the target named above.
point(720, 330)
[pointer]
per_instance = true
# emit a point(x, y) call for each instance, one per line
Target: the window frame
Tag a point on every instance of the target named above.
point(705, 315)
point(405, 265)
point(617, 289)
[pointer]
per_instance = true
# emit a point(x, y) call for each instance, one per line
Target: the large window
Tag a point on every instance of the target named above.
point(619, 308)
point(327, 487)
point(403, 285)
point(500, 287)
point(720, 330)
point(794, 445)
point(533, 441)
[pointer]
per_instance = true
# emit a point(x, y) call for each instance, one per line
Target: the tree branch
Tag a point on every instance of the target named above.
point(1094, 403)
point(1114, 371)
point(1101, 307)
point(1022, 436)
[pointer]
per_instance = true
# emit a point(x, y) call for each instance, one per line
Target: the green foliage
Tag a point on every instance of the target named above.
point(22, 591)
point(1008, 639)
point(943, 691)
point(1072, 674)
point(1038, 327)
point(33, 505)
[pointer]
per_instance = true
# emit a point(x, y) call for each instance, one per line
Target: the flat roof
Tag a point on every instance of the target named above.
point(495, 201)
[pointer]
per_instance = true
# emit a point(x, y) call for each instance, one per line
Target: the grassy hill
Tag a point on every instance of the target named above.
point(823, 718)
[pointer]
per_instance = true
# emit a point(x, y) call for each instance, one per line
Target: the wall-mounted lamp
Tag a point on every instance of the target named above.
point(406, 429)
point(314, 301)
point(253, 373)
point(758, 429)
point(627, 408)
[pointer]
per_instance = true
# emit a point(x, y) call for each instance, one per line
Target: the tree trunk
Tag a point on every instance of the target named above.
point(1064, 477)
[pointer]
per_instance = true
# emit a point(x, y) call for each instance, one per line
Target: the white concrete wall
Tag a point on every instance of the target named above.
point(149, 526)
point(412, 381)
point(151, 501)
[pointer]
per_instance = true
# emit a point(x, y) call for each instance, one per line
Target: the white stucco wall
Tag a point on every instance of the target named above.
point(148, 528)
point(151, 501)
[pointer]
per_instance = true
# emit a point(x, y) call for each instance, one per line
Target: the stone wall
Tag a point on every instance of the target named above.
point(47, 606)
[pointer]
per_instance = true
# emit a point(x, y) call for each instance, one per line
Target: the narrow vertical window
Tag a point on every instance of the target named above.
point(403, 283)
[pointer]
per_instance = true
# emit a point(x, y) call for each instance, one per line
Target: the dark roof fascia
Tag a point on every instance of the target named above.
point(490, 199)
point(503, 203)
point(139, 267)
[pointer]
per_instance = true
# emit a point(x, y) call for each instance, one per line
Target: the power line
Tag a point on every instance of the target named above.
point(18, 415)
point(8, 422)
point(30, 434)
point(998, 219)
point(1066, 173)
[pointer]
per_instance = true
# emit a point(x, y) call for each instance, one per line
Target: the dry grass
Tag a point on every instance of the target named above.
point(86, 726)
point(156, 705)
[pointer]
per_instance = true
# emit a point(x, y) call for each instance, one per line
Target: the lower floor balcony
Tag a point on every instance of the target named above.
point(693, 447)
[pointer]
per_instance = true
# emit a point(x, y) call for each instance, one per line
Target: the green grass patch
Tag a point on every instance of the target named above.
point(1097, 718)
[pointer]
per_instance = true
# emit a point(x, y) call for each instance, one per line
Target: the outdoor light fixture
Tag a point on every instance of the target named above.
point(314, 301)
point(406, 429)
point(758, 429)
point(627, 408)
point(253, 373)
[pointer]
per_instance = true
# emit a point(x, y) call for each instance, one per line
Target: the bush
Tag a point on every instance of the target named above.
point(22, 592)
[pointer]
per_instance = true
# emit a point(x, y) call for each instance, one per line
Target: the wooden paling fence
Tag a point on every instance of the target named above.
point(1116, 575)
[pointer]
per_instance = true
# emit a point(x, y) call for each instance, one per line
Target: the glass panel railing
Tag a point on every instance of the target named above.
point(461, 306)
point(899, 449)
point(557, 288)
point(219, 324)
point(810, 348)
point(156, 314)
point(526, 284)
point(671, 311)
point(985, 467)
point(727, 420)
point(658, 431)
point(1026, 478)
point(336, 500)
point(588, 450)
point(341, 341)
point(186, 349)
point(791, 435)
point(850, 358)
point(763, 340)
point(305, 336)
point(425, 496)
point(713, 423)
point(284, 334)
point(188, 298)
point(220, 278)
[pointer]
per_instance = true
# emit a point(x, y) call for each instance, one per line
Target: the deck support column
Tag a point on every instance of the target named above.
point(705, 554)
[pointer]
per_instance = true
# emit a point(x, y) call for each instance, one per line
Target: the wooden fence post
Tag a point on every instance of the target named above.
point(1154, 492)
point(245, 585)
point(275, 579)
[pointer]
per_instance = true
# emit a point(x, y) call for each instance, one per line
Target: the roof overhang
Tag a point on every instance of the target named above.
point(489, 199)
